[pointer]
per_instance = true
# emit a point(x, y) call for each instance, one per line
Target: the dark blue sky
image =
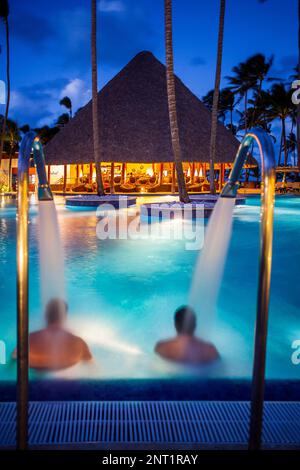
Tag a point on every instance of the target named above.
point(50, 50)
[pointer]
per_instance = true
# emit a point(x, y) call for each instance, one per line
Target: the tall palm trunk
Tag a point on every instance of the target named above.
point(10, 172)
point(284, 142)
point(183, 195)
point(95, 117)
point(280, 149)
point(284, 146)
point(258, 96)
point(245, 111)
point(298, 106)
point(8, 89)
point(214, 117)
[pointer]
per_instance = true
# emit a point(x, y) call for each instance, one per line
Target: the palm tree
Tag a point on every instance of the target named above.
point(298, 106)
point(208, 102)
point(25, 128)
point(208, 99)
point(259, 68)
point(214, 113)
point(46, 133)
point(291, 143)
point(11, 141)
point(257, 117)
point(183, 195)
point(250, 75)
point(226, 104)
point(257, 114)
point(95, 117)
point(4, 12)
point(241, 82)
point(291, 79)
point(67, 103)
point(280, 107)
point(62, 120)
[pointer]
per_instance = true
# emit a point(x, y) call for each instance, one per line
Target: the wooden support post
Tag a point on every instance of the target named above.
point(222, 175)
point(65, 178)
point(49, 174)
point(91, 174)
point(77, 174)
point(123, 173)
point(193, 173)
point(173, 178)
point(200, 170)
point(161, 173)
point(112, 183)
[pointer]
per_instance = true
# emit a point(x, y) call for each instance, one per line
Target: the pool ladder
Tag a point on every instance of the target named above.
point(29, 143)
point(268, 170)
point(268, 165)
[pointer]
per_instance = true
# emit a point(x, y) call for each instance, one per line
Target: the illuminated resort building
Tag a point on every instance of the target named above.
point(136, 150)
point(135, 141)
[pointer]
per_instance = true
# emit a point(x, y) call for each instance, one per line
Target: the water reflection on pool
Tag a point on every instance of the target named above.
point(122, 294)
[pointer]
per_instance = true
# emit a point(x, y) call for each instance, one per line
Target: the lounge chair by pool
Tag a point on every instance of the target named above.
point(128, 188)
point(280, 186)
point(293, 186)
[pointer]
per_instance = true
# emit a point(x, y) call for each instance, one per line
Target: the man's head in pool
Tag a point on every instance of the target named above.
point(56, 312)
point(185, 321)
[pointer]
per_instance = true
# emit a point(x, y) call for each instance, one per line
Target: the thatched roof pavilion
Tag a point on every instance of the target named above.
point(134, 122)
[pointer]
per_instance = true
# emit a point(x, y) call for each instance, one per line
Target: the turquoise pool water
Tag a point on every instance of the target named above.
point(122, 294)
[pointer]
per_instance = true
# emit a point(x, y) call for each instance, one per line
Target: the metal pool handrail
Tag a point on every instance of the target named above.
point(29, 142)
point(268, 166)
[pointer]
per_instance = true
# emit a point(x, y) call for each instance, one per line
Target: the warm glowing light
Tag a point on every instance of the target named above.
point(105, 336)
point(150, 172)
point(165, 172)
point(201, 172)
point(94, 175)
point(80, 174)
point(189, 172)
point(196, 173)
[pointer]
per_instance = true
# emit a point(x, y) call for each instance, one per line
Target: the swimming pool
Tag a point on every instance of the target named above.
point(122, 295)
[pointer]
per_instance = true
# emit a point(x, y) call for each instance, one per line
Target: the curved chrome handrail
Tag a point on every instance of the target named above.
point(29, 143)
point(230, 189)
point(268, 165)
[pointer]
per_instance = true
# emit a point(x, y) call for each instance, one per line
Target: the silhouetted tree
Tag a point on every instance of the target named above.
point(67, 103)
point(183, 195)
point(63, 119)
point(4, 13)
point(95, 116)
point(214, 111)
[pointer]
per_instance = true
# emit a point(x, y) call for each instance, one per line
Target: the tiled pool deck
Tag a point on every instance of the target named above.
point(151, 424)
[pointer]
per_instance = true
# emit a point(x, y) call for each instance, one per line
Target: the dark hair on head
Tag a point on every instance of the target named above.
point(185, 320)
point(56, 310)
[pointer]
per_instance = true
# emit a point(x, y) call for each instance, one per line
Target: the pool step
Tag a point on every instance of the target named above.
point(147, 423)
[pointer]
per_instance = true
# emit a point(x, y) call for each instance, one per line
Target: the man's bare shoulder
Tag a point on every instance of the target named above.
point(37, 334)
point(207, 350)
point(165, 344)
point(85, 351)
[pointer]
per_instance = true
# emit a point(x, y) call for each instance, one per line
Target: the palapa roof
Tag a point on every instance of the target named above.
point(134, 122)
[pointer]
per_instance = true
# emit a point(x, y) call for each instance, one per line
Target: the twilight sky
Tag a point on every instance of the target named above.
point(50, 45)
